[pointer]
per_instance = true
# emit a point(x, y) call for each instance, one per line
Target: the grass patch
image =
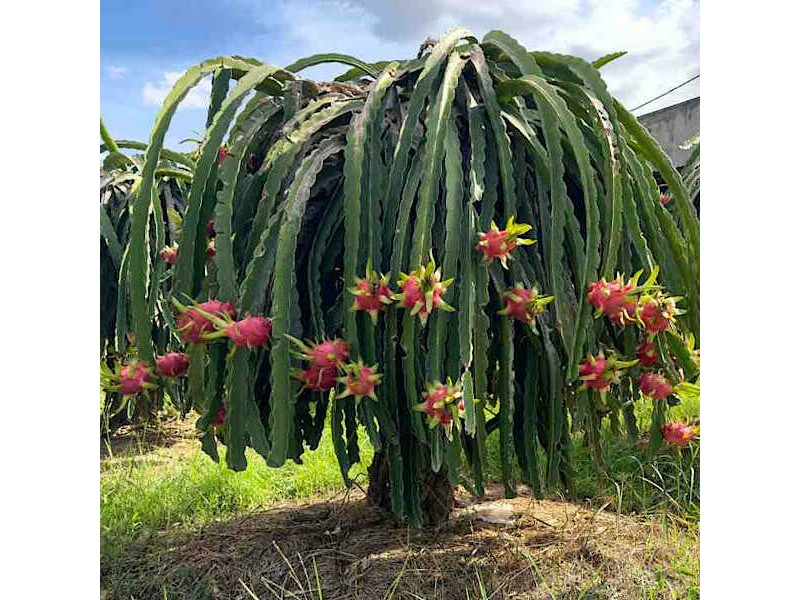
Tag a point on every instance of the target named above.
point(189, 489)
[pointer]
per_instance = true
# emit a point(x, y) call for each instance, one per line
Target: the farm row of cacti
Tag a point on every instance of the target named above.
point(361, 216)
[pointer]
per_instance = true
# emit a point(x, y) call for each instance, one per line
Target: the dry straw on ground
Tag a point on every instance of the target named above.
point(343, 549)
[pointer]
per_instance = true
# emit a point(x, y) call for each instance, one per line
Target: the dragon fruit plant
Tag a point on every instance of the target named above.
point(364, 214)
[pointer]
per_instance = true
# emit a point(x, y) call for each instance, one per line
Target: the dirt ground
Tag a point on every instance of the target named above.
point(520, 548)
point(341, 548)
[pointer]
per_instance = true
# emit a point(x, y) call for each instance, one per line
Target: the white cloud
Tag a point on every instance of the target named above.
point(115, 72)
point(154, 93)
point(662, 37)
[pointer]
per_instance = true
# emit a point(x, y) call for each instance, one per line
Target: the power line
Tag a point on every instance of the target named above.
point(667, 92)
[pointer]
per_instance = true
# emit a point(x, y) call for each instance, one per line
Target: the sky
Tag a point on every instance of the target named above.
point(145, 45)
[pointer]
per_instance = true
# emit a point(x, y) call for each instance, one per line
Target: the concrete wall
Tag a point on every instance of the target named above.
point(673, 125)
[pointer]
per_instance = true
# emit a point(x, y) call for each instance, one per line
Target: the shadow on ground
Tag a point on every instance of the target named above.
point(519, 548)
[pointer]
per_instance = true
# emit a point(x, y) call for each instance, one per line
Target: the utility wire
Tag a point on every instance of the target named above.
point(667, 92)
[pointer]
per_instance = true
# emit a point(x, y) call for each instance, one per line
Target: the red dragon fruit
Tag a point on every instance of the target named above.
point(372, 293)
point(192, 324)
point(172, 364)
point(440, 404)
point(614, 299)
point(360, 380)
point(654, 386)
point(664, 199)
point(422, 290)
point(219, 418)
point(328, 353)
point(134, 378)
point(524, 304)
point(169, 254)
point(678, 434)
point(250, 332)
point(598, 372)
point(592, 372)
point(222, 155)
point(318, 378)
point(656, 312)
point(499, 243)
point(211, 233)
point(647, 354)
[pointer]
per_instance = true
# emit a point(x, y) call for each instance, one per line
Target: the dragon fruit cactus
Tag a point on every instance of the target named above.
point(440, 404)
point(499, 243)
point(169, 254)
point(360, 380)
point(647, 354)
point(372, 293)
point(524, 304)
point(134, 378)
point(172, 364)
point(678, 434)
point(219, 418)
point(198, 323)
point(421, 291)
point(598, 372)
point(250, 332)
point(656, 312)
point(654, 386)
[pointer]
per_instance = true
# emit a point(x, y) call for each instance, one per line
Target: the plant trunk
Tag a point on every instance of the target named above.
point(436, 494)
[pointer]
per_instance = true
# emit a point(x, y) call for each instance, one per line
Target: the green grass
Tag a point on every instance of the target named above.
point(137, 497)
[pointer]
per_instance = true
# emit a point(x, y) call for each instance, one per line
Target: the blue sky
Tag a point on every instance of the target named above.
point(146, 44)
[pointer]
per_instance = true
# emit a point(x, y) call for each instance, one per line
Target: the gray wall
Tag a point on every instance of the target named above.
point(673, 125)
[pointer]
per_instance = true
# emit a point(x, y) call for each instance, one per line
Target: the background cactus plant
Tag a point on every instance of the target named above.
point(393, 167)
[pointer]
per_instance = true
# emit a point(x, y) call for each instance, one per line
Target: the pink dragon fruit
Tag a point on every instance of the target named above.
point(134, 377)
point(647, 354)
point(172, 364)
point(598, 372)
point(524, 304)
point(318, 378)
point(440, 404)
point(664, 199)
point(497, 243)
point(250, 332)
point(169, 254)
point(656, 312)
point(614, 299)
point(592, 372)
point(192, 324)
point(222, 155)
point(678, 434)
point(654, 386)
point(372, 293)
point(219, 418)
point(360, 380)
point(422, 290)
point(328, 353)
